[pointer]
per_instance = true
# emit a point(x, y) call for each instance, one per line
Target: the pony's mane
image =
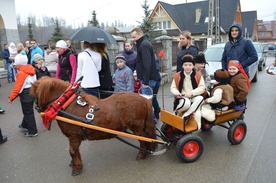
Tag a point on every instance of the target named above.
point(44, 87)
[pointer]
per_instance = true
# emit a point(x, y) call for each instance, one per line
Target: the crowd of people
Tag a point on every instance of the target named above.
point(137, 70)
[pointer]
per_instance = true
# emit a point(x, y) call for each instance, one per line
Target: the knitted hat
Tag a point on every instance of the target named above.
point(120, 58)
point(37, 57)
point(20, 59)
point(188, 58)
point(221, 76)
point(61, 44)
point(200, 58)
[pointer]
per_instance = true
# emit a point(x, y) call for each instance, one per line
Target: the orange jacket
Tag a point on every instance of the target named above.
point(21, 76)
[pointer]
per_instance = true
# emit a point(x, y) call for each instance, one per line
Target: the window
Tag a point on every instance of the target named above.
point(162, 25)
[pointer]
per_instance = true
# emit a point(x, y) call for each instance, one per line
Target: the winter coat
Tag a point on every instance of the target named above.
point(192, 50)
point(241, 50)
point(239, 84)
point(67, 66)
point(222, 95)
point(35, 50)
point(89, 68)
point(145, 61)
point(6, 56)
point(130, 57)
point(105, 75)
point(123, 79)
point(25, 76)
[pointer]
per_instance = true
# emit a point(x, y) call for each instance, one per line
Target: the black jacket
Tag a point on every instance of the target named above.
point(145, 61)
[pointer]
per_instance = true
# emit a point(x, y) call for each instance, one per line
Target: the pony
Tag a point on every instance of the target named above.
point(120, 111)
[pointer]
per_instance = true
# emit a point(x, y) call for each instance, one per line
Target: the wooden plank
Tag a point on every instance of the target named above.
point(177, 121)
point(74, 122)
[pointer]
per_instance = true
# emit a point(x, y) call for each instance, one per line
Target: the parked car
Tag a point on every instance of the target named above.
point(261, 55)
point(213, 55)
point(271, 46)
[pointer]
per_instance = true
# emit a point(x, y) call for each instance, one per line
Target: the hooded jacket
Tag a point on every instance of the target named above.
point(240, 49)
point(130, 57)
point(25, 76)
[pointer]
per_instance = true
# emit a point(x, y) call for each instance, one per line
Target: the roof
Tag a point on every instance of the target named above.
point(248, 19)
point(184, 15)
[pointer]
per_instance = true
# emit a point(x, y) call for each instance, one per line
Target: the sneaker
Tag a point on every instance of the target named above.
point(22, 128)
point(27, 134)
point(4, 139)
point(1, 110)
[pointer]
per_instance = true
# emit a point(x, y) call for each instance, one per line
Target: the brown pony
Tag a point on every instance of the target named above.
point(119, 112)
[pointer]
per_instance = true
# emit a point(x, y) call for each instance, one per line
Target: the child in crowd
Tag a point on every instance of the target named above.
point(222, 96)
point(136, 82)
point(123, 77)
point(200, 66)
point(24, 78)
point(39, 68)
point(240, 83)
point(187, 87)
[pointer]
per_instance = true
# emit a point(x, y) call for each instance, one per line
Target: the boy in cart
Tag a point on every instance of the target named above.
point(188, 87)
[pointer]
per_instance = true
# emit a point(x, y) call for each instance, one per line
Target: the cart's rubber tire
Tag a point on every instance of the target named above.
point(167, 131)
point(237, 132)
point(206, 125)
point(189, 148)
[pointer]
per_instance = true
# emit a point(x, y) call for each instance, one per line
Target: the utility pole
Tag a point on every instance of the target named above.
point(210, 23)
point(217, 33)
point(210, 20)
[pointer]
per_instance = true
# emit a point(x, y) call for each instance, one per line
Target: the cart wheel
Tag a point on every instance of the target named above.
point(206, 125)
point(237, 132)
point(167, 131)
point(189, 148)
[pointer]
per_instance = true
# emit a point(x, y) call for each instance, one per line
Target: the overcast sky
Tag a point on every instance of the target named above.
point(126, 11)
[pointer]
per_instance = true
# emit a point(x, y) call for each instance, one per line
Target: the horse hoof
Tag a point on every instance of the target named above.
point(76, 172)
point(139, 158)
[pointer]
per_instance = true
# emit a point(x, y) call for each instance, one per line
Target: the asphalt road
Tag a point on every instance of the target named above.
point(46, 158)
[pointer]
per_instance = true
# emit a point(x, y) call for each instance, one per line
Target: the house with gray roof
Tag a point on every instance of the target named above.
point(195, 17)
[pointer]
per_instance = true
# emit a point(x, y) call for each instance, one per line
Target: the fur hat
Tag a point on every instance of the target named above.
point(61, 44)
point(187, 58)
point(37, 57)
point(200, 58)
point(120, 58)
point(221, 76)
point(20, 59)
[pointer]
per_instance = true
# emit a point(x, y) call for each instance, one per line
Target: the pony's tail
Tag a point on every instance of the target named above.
point(150, 129)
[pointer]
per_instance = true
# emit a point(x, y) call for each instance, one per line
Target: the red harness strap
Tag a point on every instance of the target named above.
point(61, 103)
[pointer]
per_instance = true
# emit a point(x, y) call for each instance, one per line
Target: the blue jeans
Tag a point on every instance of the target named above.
point(148, 91)
point(155, 103)
point(92, 91)
point(10, 72)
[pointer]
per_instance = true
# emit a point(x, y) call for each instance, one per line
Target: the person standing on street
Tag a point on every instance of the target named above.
point(67, 63)
point(6, 56)
point(145, 62)
point(238, 48)
point(35, 50)
point(130, 55)
point(25, 76)
point(187, 46)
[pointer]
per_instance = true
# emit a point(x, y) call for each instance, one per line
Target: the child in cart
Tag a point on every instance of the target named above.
point(240, 83)
point(188, 87)
point(221, 96)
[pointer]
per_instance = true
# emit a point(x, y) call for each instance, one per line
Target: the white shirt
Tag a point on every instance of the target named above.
point(88, 68)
